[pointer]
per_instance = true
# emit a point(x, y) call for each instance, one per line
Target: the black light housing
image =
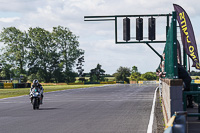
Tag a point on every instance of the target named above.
point(152, 28)
point(126, 29)
point(139, 29)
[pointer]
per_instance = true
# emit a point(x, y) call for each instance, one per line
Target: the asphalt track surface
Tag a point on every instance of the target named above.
point(107, 109)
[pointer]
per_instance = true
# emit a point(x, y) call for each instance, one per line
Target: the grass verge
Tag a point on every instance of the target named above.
point(5, 93)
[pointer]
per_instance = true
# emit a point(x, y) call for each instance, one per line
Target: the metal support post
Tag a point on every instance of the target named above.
point(115, 29)
point(154, 51)
point(167, 27)
point(174, 45)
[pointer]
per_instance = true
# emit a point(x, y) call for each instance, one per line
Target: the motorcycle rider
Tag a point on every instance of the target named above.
point(38, 85)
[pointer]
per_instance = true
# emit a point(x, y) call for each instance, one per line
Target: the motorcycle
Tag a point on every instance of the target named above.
point(35, 97)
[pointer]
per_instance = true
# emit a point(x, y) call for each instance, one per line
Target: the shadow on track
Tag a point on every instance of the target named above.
point(49, 108)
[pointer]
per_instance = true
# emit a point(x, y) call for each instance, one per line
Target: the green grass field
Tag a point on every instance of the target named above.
point(5, 93)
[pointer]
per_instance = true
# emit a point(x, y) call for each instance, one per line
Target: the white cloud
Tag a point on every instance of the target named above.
point(9, 20)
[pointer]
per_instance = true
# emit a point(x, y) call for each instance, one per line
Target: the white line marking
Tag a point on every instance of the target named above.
point(150, 126)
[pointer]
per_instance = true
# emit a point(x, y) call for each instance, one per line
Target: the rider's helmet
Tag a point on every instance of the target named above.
point(35, 82)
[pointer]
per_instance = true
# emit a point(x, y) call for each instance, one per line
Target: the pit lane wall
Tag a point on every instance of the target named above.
point(171, 97)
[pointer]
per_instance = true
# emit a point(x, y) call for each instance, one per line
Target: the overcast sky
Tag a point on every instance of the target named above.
point(98, 38)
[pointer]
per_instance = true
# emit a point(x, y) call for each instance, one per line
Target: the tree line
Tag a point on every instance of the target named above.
point(50, 57)
point(39, 54)
point(126, 74)
point(194, 73)
point(122, 74)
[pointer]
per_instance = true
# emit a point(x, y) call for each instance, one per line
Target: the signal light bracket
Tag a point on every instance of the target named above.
point(127, 40)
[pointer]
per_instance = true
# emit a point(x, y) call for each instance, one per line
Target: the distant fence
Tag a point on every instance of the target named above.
point(109, 82)
point(14, 85)
point(148, 82)
point(7, 85)
point(28, 85)
point(133, 82)
point(196, 81)
point(1, 85)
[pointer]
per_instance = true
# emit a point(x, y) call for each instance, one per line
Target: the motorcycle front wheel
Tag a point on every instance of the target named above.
point(35, 103)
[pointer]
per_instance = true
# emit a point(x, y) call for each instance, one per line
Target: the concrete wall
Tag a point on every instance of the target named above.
point(171, 97)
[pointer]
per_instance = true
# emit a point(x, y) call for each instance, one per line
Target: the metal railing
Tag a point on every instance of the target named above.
point(195, 93)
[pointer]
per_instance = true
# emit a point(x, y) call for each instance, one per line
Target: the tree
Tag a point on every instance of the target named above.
point(0, 67)
point(194, 73)
point(68, 48)
point(15, 50)
point(80, 68)
point(32, 77)
point(97, 74)
point(48, 55)
point(43, 57)
point(134, 69)
point(149, 76)
point(135, 75)
point(58, 75)
point(6, 71)
point(122, 74)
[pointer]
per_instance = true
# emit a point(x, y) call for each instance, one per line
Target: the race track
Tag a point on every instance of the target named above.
point(107, 109)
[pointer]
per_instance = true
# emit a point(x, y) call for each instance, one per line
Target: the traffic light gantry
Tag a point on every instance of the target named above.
point(139, 27)
point(127, 39)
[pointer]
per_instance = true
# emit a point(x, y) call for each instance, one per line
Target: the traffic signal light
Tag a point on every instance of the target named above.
point(139, 29)
point(126, 29)
point(152, 28)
